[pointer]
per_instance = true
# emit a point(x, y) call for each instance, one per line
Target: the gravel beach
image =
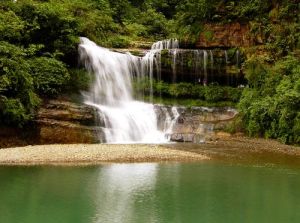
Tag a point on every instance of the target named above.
point(93, 154)
point(232, 149)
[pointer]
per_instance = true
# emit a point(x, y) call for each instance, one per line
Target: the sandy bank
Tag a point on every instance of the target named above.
point(93, 153)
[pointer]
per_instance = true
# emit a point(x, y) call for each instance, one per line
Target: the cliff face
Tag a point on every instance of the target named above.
point(225, 35)
point(63, 122)
point(197, 124)
point(66, 122)
point(191, 65)
point(56, 122)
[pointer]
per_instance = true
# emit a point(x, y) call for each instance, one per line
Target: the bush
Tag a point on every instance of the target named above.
point(49, 75)
point(80, 80)
point(13, 112)
point(233, 94)
point(17, 97)
point(271, 106)
point(214, 93)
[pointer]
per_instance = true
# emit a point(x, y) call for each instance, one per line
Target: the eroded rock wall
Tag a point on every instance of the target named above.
point(57, 121)
point(196, 124)
point(67, 122)
point(225, 36)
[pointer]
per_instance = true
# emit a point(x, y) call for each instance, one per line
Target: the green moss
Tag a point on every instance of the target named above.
point(208, 35)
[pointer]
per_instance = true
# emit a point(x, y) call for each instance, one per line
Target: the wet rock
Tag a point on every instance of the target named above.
point(197, 124)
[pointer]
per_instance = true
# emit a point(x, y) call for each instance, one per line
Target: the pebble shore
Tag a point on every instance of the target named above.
point(93, 154)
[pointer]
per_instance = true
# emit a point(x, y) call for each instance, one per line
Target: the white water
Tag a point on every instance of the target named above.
point(205, 59)
point(126, 120)
point(226, 57)
point(165, 44)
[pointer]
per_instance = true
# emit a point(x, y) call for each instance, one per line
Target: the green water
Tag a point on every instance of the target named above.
point(195, 192)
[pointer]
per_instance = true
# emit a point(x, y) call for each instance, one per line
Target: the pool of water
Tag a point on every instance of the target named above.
point(149, 192)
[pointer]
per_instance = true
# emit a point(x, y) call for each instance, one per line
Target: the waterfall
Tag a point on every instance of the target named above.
point(197, 66)
point(237, 58)
point(174, 61)
point(226, 57)
point(125, 119)
point(165, 44)
point(205, 58)
point(212, 65)
point(152, 60)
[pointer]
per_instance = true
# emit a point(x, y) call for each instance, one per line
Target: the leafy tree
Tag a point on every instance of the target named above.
point(49, 75)
point(17, 96)
point(271, 106)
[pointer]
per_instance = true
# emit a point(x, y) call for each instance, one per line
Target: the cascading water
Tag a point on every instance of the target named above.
point(226, 57)
point(165, 44)
point(205, 58)
point(152, 60)
point(211, 64)
point(126, 120)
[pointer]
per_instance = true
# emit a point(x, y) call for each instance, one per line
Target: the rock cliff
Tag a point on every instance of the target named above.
point(57, 121)
point(64, 122)
point(225, 36)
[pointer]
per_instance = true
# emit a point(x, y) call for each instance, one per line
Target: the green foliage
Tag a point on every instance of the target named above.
point(16, 86)
point(80, 80)
point(49, 75)
point(271, 106)
point(39, 38)
point(11, 26)
point(191, 14)
point(154, 22)
point(211, 94)
point(214, 93)
point(13, 112)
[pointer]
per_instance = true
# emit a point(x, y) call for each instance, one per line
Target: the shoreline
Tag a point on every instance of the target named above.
point(232, 148)
point(93, 154)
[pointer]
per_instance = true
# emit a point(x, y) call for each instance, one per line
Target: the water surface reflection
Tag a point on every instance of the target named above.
point(121, 187)
point(173, 192)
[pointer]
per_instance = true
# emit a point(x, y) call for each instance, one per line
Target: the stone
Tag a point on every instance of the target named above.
point(57, 121)
point(60, 121)
point(200, 123)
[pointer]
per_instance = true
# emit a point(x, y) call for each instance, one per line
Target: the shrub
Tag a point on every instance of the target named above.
point(271, 107)
point(13, 112)
point(49, 75)
point(214, 93)
point(17, 97)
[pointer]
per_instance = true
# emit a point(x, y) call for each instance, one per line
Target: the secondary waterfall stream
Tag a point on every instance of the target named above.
point(126, 120)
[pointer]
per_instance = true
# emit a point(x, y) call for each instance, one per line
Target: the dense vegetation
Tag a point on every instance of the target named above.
point(211, 94)
point(39, 38)
point(270, 107)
